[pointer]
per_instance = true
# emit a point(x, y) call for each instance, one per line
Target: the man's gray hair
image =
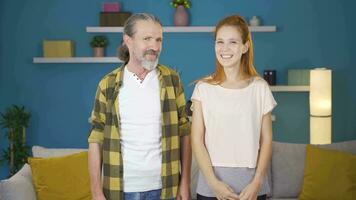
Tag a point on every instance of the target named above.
point(130, 30)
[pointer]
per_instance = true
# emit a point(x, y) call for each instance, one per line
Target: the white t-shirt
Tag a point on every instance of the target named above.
point(140, 118)
point(233, 119)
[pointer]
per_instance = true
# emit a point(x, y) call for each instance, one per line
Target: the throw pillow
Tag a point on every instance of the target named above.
point(19, 186)
point(60, 178)
point(328, 174)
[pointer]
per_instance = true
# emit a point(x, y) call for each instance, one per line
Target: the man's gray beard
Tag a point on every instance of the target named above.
point(149, 65)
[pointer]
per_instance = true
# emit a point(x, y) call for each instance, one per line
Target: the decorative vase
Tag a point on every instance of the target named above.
point(98, 51)
point(255, 21)
point(181, 17)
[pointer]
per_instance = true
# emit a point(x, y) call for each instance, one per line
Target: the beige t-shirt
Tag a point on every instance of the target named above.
point(233, 119)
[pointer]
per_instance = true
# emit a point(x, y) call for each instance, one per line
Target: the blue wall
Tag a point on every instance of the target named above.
point(60, 96)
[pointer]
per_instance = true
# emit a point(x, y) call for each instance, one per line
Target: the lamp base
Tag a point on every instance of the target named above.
point(320, 130)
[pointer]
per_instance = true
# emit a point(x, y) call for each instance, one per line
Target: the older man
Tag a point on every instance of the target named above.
point(140, 131)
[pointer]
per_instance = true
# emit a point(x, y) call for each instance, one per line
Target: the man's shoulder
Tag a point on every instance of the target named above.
point(167, 71)
point(110, 78)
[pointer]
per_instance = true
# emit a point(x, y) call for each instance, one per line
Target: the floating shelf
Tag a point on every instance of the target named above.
point(275, 88)
point(178, 29)
point(77, 60)
point(170, 29)
point(290, 88)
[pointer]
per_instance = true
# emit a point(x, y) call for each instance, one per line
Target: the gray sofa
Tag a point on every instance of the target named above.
point(285, 175)
point(287, 167)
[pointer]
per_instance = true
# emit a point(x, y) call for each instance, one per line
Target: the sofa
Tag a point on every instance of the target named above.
point(285, 175)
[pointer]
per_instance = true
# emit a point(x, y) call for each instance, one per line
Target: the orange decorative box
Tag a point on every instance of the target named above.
point(58, 48)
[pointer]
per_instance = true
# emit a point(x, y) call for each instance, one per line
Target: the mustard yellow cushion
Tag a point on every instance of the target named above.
point(328, 174)
point(61, 178)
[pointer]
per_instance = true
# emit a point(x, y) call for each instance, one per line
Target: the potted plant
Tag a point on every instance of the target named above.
point(15, 120)
point(184, 3)
point(98, 43)
point(181, 17)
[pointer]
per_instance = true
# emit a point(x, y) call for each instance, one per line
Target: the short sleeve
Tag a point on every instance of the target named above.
point(97, 119)
point(269, 103)
point(196, 93)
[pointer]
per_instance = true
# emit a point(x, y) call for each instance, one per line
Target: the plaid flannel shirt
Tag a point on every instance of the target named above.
point(106, 130)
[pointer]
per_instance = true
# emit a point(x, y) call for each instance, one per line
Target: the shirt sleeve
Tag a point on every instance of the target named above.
point(269, 103)
point(183, 123)
point(196, 93)
point(97, 118)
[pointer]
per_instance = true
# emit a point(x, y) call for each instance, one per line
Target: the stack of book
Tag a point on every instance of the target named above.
point(111, 15)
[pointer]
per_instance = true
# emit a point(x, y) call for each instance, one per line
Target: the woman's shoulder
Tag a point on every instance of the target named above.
point(204, 82)
point(259, 81)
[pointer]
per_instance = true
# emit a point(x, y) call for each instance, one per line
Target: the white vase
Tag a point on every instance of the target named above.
point(255, 21)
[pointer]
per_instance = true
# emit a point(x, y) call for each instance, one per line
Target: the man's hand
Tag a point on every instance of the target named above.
point(99, 197)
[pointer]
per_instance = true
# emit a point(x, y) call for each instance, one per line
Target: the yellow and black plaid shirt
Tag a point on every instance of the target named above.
point(106, 130)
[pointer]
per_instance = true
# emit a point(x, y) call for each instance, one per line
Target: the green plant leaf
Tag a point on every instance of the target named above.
point(15, 120)
point(176, 3)
point(99, 41)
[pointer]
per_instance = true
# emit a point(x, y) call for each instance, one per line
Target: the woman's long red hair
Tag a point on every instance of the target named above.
point(247, 69)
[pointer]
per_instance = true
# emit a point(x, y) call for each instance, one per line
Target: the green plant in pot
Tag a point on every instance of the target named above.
point(15, 120)
point(99, 42)
point(184, 3)
point(181, 16)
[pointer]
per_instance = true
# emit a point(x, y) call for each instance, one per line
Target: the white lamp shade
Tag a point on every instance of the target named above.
point(320, 92)
point(320, 130)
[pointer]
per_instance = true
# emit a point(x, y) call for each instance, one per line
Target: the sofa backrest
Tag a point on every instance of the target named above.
point(43, 152)
point(287, 166)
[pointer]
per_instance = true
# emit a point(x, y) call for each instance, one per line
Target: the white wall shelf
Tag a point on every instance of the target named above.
point(77, 60)
point(178, 29)
point(170, 29)
point(275, 88)
point(290, 88)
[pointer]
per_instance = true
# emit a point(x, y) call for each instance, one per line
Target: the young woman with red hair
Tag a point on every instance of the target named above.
point(231, 125)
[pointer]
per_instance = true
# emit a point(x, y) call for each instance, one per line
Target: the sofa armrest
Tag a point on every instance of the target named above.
point(19, 186)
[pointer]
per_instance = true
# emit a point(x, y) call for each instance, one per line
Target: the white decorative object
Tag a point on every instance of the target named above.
point(255, 21)
point(320, 101)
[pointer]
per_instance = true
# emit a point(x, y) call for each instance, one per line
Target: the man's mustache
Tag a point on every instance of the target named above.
point(151, 52)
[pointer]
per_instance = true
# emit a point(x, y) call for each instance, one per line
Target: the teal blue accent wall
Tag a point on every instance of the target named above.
point(60, 96)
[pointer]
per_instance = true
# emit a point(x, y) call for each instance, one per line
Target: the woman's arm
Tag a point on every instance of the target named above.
point(264, 158)
point(265, 153)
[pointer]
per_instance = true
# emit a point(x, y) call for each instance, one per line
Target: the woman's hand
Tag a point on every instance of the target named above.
point(223, 191)
point(250, 191)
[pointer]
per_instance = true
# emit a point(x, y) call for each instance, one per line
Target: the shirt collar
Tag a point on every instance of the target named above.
point(120, 75)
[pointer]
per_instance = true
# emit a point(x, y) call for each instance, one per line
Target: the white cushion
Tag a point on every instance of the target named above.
point(43, 152)
point(19, 186)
